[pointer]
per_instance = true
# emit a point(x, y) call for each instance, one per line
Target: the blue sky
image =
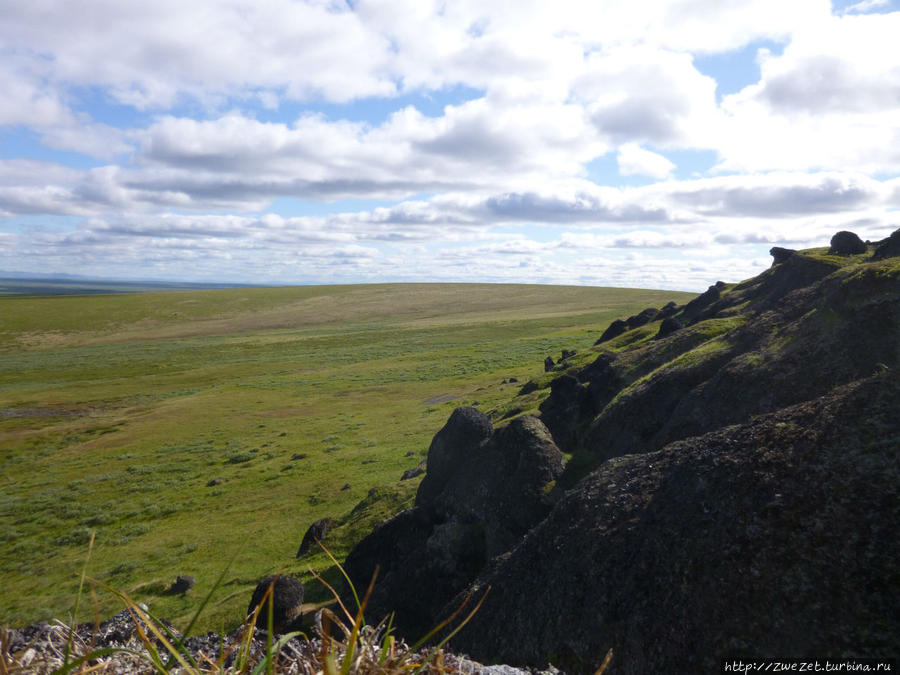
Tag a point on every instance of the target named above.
point(659, 144)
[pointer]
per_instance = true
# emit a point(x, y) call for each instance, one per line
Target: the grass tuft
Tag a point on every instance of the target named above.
point(343, 645)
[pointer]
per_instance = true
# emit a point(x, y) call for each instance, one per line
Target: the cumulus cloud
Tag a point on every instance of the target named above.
point(633, 159)
point(647, 95)
point(808, 148)
point(830, 100)
point(166, 48)
point(778, 194)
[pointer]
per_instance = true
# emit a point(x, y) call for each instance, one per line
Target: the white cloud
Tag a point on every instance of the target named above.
point(648, 95)
point(552, 86)
point(147, 53)
point(865, 6)
point(633, 159)
point(830, 101)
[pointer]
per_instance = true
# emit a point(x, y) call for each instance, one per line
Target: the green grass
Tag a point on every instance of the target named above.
point(172, 423)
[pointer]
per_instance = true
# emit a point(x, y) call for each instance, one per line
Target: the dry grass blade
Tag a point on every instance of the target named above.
point(357, 623)
point(606, 661)
point(437, 650)
point(337, 597)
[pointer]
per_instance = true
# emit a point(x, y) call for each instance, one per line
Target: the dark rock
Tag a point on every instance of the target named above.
point(549, 364)
point(459, 439)
point(298, 455)
point(767, 289)
point(182, 584)
point(513, 380)
point(603, 380)
point(486, 491)
point(888, 248)
point(614, 330)
point(563, 411)
point(212, 482)
point(847, 243)
point(412, 473)
point(645, 317)
point(775, 539)
point(693, 309)
point(503, 485)
point(668, 326)
point(405, 581)
point(317, 531)
point(779, 255)
point(669, 309)
point(287, 593)
point(345, 486)
point(567, 354)
point(528, 388)
point(769, 362)
point(512, 412)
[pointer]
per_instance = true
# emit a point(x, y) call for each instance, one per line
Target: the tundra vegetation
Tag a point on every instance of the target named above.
point(184, 428)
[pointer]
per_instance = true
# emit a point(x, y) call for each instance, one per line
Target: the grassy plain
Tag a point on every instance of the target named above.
point(187, 427)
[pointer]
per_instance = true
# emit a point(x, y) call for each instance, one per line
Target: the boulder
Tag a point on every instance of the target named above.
point(772, 539)
point(409, 474)
point(317, 531)
point(287, 593)
point(668, 326)
point(645, 317)
point(847, 243)
point(527, 388)
point(462, 436)
point(669, 309)
point(407, 582)
point(503, 486)
point(482, 492)
point(182, 584)
point(614, 330)
point(779, 255)
point(603, 380)
point(549, 364)
point(693, 309)
point(888, 248)
point(564, 409)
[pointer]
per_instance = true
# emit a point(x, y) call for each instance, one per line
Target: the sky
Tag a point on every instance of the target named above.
point(653, 144)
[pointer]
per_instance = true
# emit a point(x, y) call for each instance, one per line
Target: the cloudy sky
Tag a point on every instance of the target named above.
point(659, 143)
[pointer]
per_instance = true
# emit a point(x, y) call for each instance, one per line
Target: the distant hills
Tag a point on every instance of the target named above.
point(18, 283)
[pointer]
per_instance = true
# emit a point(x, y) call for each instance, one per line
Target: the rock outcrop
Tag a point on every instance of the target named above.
point(888, 248)
point(668, 326)
point(614, 330)
point(483, 491)
point(772, 539)
point(779, 254)
point(733, 488)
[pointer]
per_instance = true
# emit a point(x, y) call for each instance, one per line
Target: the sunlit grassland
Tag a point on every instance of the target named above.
point(186, 426)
